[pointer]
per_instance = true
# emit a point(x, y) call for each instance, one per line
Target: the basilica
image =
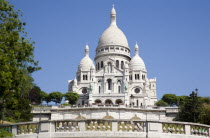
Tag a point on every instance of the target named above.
point(114, 77)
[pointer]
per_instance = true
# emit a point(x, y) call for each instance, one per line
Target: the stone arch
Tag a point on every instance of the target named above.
point(108, 101)
point(118, 101)
point(98, 101)
point(84, 90)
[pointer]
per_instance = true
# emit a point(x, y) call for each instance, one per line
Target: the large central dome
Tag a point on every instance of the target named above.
point(113, 35)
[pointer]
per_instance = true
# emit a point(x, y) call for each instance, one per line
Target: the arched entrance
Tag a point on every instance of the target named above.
point(84, 90)
point(118, 101)
point(97, 101)
point(108, 101)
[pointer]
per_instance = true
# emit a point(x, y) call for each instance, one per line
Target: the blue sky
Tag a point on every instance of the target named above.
point(173, 36)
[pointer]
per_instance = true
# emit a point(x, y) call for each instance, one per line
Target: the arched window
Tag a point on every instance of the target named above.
point(109, 81)
point(122, 65)
point(102, 64)
point(99, 89)
point(98, 66)
point(117, 64)
point(119, 86)
point(118, 89)
point(109, 67)
point(137, 90)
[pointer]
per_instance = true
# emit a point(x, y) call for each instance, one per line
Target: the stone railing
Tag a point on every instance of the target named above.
point(67, 126)
point(173, 128)
point(108, 128)
point(131, 126)
point(199, 130)
point(98, 125)
point(27, 128)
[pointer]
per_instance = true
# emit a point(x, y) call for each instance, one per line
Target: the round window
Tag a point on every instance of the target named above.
point(137, 90)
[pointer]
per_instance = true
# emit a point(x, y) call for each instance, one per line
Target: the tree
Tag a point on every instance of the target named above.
point(205, 100)
point(5, 134)
point(35, 95)
point(56, 97)
point(161, 103)
point(205, 114)
point(72, 97)
point(171, 99)
point(191, 110)
point(16, 64)
point(181, 100)
point(45, 97)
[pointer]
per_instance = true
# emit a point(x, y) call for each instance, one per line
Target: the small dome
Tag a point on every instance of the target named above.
point(113, 36)
point(86, 63)
point(136, 62)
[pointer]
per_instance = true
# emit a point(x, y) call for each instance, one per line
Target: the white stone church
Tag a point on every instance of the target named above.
point(115, 78)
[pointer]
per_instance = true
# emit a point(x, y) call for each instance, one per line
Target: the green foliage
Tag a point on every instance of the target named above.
point(191, 110)
point(65, 104)
point(205, 100)
point(205, 114)
point(45, 97)
point(56, 97)
point(72, 97)
point(16, 64)
point(171, 99)
point(5, 134)
point(161, 103)
point(35, 95)
point(181, 100)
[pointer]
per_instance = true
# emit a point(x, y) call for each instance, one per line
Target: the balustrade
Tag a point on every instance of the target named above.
point(27, 128)
point(173, 128)
point(109, 126)
point(67, 126)
point(199, 130)
point(98, 125)
point(133, 126)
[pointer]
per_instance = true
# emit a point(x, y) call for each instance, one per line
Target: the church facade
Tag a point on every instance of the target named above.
point(115, 78)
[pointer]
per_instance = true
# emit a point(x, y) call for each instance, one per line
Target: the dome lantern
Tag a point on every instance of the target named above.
point(113, 16)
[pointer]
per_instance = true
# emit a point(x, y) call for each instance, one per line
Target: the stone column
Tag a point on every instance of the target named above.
point(114, 126)
point(81, 125)
point(14, 130)
point(187, 130)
